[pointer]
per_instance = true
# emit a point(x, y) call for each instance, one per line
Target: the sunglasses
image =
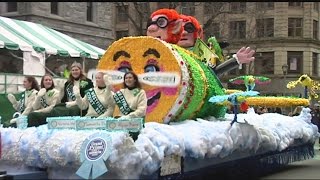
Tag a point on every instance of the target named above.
point(189, 27)
point(161, 22)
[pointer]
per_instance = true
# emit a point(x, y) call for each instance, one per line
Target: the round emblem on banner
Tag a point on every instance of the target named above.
point(95, 149)
point(81, 124)
point(54, 124)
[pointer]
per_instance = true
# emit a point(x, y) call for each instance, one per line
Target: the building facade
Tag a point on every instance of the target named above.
point(285, 36)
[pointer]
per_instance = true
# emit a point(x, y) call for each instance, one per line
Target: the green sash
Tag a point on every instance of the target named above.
point(21, 102)
point(43, 102)
point(70, 93)
point(122, 103)
point(94, 101)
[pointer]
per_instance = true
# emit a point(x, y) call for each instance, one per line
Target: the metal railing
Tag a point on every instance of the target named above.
point(13, 83)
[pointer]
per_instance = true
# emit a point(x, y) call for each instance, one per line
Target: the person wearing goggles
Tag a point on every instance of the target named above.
point(165, 24)
point(192, 31)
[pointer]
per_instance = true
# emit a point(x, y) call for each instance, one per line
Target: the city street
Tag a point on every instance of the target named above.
point(308, 169)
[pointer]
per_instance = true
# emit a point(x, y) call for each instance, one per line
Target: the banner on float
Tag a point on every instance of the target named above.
point(86, 123)
point(132, 125)
point(67, 122)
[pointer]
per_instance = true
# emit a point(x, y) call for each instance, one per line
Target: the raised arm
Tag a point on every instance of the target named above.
point(29, 104)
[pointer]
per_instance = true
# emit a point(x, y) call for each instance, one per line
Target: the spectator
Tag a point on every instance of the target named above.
point(297, 111)
point(278, 110)
point(315, 113)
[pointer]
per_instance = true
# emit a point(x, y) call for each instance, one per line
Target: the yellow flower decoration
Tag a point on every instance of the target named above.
point(277, 101)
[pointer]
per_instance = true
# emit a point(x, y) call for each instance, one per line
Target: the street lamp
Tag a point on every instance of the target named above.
point(285, 72)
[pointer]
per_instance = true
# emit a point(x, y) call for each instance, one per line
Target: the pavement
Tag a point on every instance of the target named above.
point(307, 169)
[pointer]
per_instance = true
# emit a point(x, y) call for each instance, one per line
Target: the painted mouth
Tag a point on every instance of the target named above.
point(153, 102)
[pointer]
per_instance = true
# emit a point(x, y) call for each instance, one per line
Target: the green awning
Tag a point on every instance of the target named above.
point(28, 36)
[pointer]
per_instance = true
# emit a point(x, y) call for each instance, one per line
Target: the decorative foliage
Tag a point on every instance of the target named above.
point(250, 81)
point(310, 86)
point(230, 91)
point(83, 83)
point(277, 101)
point(235, 99)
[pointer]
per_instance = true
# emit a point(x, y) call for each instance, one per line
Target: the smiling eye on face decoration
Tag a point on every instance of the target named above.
point(124, 69)
point(151, 68)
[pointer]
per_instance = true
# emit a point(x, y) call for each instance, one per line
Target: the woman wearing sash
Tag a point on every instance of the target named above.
point(44, 102)
point(98, 100)
point(68, 105)
point(131, 100)
point(26, 98)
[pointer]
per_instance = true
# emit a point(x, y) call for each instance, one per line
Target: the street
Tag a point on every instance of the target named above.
point(308, 169)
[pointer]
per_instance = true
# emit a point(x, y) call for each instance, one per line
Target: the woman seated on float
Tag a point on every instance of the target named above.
point(98, 100)
point(24, 105)
point(44, 102)
point(131, 100)
point(68, 106)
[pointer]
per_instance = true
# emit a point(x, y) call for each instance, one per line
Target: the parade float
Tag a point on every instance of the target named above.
point(187, 131)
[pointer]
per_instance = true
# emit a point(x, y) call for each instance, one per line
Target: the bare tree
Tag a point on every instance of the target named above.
point(139, 12)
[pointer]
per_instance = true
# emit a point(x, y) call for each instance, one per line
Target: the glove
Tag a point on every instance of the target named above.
point(14, 120)
point(245, 55)
point(42, 92)
point(12, 99)
point(76, 91)
point(106, 79)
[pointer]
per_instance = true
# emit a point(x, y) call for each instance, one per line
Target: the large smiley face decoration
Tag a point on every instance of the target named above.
point(176, 86)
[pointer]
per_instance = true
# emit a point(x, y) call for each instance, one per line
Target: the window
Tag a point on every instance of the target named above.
point(237, 29)
point(265, 5)
point(315, 64)
point(89, 12)
point(295, 4)
point(54, 8)
point(237, 7)
point(213, 30)
point(316, 6)
point(295, 27)
point(121, 34)
point(264, 63)
point(12, 6)
point(265, 27)
point(295, 59)
point(188, 8)
point(122, 13)
point(315, 30)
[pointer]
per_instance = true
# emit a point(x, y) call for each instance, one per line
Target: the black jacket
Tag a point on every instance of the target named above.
point(226, 66)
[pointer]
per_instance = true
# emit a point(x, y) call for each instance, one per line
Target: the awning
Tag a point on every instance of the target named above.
point(28, 36)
